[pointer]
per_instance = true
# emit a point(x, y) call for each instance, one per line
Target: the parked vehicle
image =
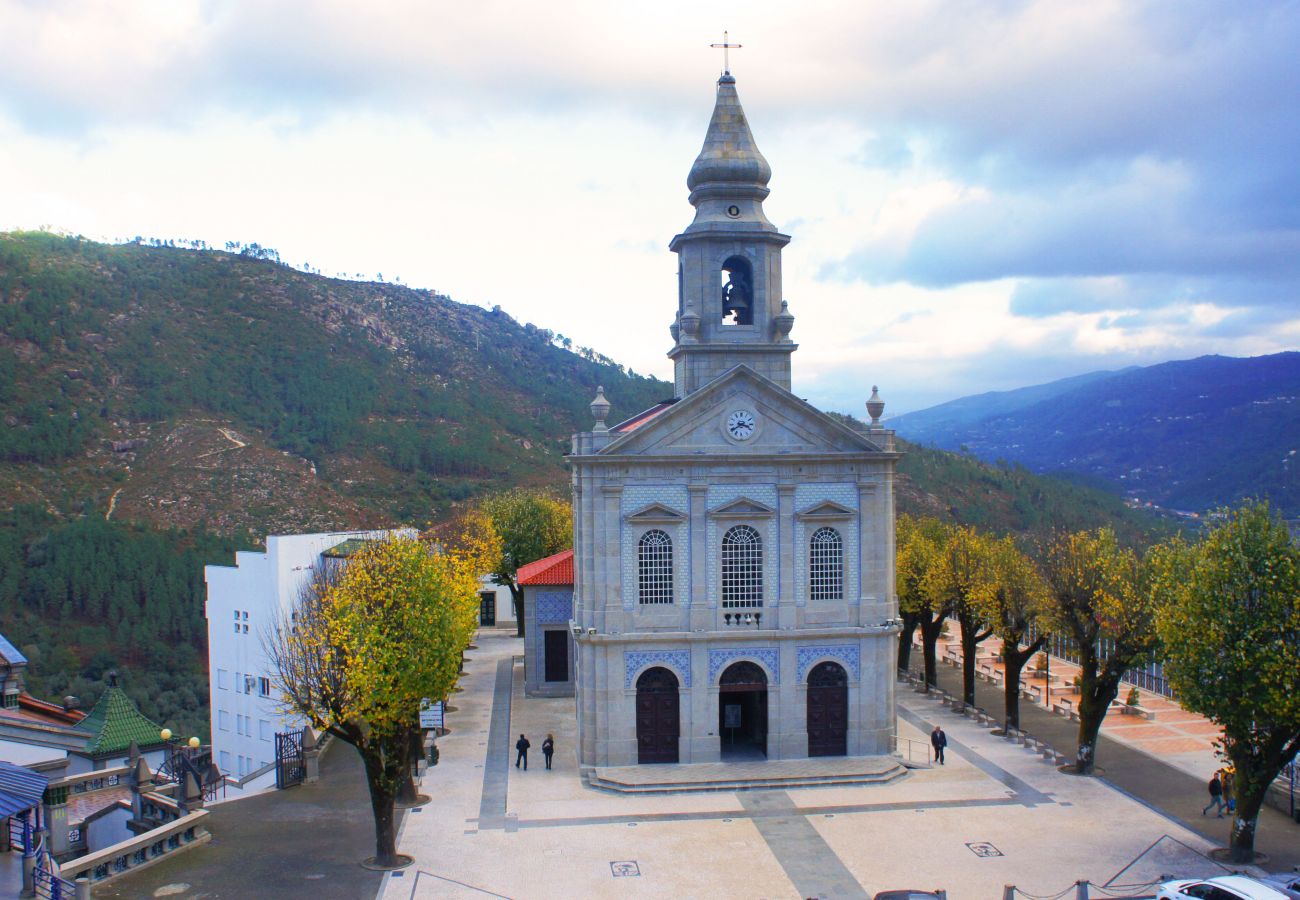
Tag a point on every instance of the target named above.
point(1286, 882)
point(1222, 887)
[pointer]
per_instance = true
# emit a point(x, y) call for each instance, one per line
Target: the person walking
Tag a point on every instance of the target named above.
point(1216, 796)
point(548, 749)
point(938, 740)
point(521, 751)
point(1229, 793)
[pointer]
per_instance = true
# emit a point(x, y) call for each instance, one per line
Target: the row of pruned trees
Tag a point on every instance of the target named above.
point(1221, 613)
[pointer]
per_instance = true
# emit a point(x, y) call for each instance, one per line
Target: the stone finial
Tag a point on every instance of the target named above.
point(193, 794)
point(142, 774)
point(783, 322)
point(133, 752)
point(600, 409)
point(875, 407)
point(308, 738)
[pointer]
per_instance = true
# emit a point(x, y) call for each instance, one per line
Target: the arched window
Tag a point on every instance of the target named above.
point(737, 292)
point(826, 565)
point(654, 566)
point(742, 567)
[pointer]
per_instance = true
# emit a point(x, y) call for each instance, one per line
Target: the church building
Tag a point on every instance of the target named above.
point(733, 546)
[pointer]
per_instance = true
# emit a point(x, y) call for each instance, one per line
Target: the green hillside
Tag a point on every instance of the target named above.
point(162, 407)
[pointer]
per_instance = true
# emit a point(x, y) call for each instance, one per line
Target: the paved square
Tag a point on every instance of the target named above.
point(996, 814)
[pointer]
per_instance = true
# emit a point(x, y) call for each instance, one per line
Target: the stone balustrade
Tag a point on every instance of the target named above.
point(127, 856)
point(58, 790)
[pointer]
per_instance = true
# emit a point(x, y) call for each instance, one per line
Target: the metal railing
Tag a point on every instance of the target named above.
point(916, 753)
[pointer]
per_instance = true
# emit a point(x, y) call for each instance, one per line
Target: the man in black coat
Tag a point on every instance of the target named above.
point(938, 740)
point(521, 748)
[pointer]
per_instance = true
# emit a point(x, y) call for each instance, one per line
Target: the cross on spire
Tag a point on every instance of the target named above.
point(726, 47)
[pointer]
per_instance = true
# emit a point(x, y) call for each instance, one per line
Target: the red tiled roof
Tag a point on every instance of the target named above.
point(557, 569)
point(642, 417)
point(52, 711)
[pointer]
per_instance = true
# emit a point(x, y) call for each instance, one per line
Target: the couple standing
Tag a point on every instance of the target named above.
point(521, 750)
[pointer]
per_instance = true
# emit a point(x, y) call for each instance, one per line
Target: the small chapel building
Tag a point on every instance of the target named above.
point(733, 546)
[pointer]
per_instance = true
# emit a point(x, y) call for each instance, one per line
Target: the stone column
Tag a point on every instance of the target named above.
point(703, 616)
point(787, 612)
point(310, 754)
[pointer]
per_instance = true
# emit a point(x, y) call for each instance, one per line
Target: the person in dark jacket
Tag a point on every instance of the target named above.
point(1216, 796)
point(548, 749)
point(938, 740)
point(521, 750)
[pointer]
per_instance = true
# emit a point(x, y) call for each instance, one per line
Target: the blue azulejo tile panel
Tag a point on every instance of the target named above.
point(847, 655)
point(637, 661)
point(768, 656)
point(554, 607)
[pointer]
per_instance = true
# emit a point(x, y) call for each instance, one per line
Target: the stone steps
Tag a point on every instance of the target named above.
point(688, 779)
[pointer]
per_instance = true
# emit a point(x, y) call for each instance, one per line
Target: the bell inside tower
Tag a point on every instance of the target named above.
point(737, 292)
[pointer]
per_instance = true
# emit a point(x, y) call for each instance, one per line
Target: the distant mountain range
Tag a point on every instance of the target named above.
point(1187, 435)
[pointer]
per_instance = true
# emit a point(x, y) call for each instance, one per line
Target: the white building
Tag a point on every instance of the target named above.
point(243, 601)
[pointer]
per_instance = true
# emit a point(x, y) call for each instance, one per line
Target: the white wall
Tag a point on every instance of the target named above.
point(244, 601)
point(505, 606)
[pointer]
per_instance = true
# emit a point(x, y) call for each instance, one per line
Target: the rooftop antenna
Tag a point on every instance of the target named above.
point(726, 47)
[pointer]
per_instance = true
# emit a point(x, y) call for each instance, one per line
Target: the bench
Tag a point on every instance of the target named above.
point(1060, 691)
point(1132, 709)
point(1065, 707)
point(1035, 693)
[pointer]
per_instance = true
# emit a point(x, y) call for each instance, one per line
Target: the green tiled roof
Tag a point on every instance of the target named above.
point(349, 548)
point(115, 722)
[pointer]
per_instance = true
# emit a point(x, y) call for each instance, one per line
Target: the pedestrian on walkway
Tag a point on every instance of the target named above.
point(521, 748)
point(1229, 789)
point(1216, 796)
point(938, 740)
point(548, 749)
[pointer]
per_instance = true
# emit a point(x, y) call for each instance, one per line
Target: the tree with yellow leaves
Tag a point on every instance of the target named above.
point(531, 525)
point(919, 541)
point(1230, 625)
point(369, 638)
point(960, 579)
point(1016, 609)
point(1102, 598)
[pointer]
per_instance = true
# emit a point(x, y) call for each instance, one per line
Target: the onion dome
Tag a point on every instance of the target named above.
point(729, 155)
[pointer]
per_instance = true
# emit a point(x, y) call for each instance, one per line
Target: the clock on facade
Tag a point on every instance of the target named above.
point(741, 424)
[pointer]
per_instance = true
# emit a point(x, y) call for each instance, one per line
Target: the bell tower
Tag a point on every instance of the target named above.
point(729, 305)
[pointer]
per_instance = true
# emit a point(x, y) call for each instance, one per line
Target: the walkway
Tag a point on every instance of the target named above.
point(995, 815)
point(307, 841)
point(1152, 781)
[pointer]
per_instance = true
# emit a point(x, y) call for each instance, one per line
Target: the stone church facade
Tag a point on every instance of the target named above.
point(733, 546)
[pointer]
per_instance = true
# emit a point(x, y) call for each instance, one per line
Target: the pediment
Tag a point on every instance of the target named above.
point(742, 508)
point(656, 513)
point(697, 424)
point(827, 509)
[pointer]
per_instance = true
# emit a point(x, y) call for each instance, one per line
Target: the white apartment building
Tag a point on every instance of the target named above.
point(243, 601)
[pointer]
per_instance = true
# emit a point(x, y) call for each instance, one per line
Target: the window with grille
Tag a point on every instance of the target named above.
point(742, 568)
point(655, 567)
point(826, 565)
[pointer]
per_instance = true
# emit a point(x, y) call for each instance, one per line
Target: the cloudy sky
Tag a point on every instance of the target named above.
point(983, 194)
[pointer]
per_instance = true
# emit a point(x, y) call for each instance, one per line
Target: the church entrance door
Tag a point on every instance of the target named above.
point(742, 711)
point(658, 719)
point(828, 710)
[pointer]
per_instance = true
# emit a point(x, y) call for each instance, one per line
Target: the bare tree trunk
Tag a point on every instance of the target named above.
point(1013, 663)
point(910, 623)
point(970, 642)
point(1241, 845)
point(517, 597)
point(382, 781)
point(931, 628)
point(1096, 693)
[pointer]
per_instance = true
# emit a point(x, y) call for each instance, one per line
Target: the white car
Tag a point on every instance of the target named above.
point(1222, 887)
point(1286, 882)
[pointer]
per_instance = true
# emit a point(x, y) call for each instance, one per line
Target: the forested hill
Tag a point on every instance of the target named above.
point(185, 387)
point(1191, 434)
point(163, 406)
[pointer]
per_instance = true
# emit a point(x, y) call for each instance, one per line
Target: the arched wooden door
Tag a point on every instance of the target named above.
point(828, 710)
point(658, 718)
